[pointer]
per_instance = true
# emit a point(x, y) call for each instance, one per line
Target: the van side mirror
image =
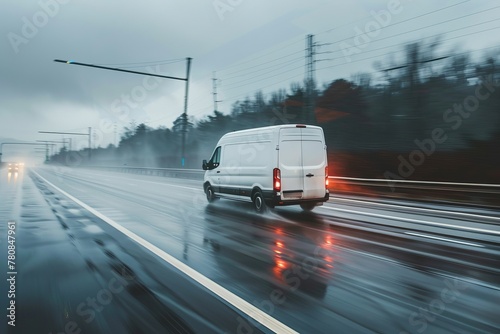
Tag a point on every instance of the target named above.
point(204, 165)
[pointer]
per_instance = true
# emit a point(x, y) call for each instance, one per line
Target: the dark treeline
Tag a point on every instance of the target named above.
point(427, 117)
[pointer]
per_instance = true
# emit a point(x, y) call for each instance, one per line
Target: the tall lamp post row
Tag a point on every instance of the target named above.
point(16, 143)
point(89, 134)
point(51, 143)
point(74, 134)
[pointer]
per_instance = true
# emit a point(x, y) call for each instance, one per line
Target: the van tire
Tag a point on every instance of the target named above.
point(258, 202)
point(209, 191)
point(308, 206)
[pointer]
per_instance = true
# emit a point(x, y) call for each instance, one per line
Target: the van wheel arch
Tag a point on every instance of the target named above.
point(258, 201)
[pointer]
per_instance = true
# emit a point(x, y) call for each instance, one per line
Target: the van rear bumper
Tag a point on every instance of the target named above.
point(272, 199)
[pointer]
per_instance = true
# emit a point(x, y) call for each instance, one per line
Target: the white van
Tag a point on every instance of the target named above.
point(274, 165)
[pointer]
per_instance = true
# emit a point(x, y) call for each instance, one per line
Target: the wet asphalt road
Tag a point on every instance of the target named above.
point(352, 266)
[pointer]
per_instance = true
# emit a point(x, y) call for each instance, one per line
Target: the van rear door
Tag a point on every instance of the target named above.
point(290, 163)
point(302, 161)
point(313, 162)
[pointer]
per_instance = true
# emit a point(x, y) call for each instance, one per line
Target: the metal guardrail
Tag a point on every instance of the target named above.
point(470, 193)
point(195, 174)
point(458, 192)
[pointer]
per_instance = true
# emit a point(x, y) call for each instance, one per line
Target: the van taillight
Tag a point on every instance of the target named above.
point(326, 176)
point(276, 179)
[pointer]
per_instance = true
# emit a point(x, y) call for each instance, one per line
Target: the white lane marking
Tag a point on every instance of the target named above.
point(416, 208)
point(238, 302)
point(465, 228)
point(443, 239)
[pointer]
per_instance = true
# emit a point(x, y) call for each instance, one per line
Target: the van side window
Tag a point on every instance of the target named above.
point(215, 160)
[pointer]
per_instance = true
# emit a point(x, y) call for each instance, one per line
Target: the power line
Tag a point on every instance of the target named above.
point(396, 45)
point(261, 56)
point(251, 60)
point(310, 54)
point(272, 76)
point(295, 42)
point(370, 16)
point(273, 68)
point(444, 8)
point(385, 54)
point(432, 25)
point(258, 70)
point(268, 62)
point(407, 20)
point(264, 63)
point(453, 55)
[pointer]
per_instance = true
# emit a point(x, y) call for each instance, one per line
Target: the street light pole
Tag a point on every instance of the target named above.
point(186, 79)
point(14, 143)
point(74, 134)
point(184, 116)
point(90, 143)
point(69, 143)
point(52, 143)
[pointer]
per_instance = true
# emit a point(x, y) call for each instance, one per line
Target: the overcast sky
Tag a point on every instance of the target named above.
point(250, 44)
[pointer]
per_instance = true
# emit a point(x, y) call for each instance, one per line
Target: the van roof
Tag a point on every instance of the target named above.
point(274, 127)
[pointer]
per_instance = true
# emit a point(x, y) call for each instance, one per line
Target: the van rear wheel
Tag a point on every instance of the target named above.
point(307, 206)
point(258, 202)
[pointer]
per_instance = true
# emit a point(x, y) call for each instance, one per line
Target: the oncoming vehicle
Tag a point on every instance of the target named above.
point(271, 166)
point(13, 167)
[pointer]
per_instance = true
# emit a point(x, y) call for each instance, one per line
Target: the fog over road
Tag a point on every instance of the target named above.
point(148, 254)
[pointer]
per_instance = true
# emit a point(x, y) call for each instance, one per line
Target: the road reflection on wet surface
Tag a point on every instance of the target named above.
point(313, 271)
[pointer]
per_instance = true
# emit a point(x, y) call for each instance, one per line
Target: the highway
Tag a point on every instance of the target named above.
point(108, 252)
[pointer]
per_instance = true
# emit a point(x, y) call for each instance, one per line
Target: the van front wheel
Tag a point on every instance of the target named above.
point(210, 194)
point(258, 202)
